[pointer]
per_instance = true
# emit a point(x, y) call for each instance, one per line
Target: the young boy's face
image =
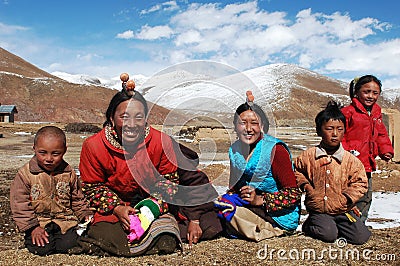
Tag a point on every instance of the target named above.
point(49, 151)
point(332, 133)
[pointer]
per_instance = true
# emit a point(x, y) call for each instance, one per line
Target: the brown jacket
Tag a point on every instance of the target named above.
point(36, 198)
point(336, 181)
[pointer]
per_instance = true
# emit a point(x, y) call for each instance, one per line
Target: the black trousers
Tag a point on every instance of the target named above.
point(364, 204)
point(210, 224)
point(328, 228)
point(58, 242)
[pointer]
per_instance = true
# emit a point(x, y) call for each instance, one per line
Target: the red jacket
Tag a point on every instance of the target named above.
point(111, 176)
point(365, 133)
point(108, 181)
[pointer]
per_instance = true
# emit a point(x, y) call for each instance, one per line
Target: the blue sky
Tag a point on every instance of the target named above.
point(336, 38)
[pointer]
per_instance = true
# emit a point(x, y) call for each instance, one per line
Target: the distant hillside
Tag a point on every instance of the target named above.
point(291, 95)
point(42, 97)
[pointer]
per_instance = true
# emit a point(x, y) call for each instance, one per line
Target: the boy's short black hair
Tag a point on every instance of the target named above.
point(51, 130)
point(331, 111)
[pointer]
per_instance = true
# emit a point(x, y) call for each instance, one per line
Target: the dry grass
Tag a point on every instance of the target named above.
point(222, 251)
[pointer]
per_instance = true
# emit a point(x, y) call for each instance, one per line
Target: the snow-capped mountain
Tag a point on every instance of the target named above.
point(281, 89)
point(391, 94)
point(289, 94)
point(205, 88)
point(113, 83)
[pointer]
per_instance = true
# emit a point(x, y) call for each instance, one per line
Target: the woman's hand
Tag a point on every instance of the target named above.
point(39, 237)
point(194, 232)
point(248, 193)
point(122, 212)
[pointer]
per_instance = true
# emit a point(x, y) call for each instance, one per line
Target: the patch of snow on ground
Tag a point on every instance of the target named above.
point(385, 205)
point(300, 147)
point(22, 133)
point(24, 156)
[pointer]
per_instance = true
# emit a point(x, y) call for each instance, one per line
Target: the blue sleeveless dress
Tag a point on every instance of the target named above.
point(257, 173)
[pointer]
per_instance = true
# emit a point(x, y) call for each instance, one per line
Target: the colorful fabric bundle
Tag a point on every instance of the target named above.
point(148, 210)
point(227, 204)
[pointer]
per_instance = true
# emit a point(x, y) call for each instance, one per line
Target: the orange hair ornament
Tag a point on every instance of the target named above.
point(249, 98)
point(127, 85)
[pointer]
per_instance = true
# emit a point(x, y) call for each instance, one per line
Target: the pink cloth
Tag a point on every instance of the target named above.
point(136, 230)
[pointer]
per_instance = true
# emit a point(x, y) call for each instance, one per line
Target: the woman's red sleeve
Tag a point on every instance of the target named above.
point(282, 168)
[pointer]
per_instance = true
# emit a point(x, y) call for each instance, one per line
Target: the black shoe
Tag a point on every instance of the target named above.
point(210, 233)
point(87, 248)
point(76, 250)
point(163, 244)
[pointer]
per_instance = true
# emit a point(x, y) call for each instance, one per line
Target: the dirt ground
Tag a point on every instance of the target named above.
point(381, 249)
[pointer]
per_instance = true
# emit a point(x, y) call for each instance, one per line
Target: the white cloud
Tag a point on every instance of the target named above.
point(126, 35)
point(305, 60)
point(229, 30)
point(166, 6)
point(55, 66)
point(246, 36)
point(240, 27)
point(87, 57)
point(11, 29)
point(381, 58)
point(154, 33)
point(213, 16)
point(170, 6)
point(240, 34)
point(189, 37)
point(344, 28)
point(154, 8)
point(391, 83)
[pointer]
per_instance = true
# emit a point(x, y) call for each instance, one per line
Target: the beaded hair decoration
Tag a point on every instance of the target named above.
point(250, 102)
point(249, 98)
point(127, 85)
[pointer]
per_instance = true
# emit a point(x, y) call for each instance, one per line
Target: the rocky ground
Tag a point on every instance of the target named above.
point(381, 249)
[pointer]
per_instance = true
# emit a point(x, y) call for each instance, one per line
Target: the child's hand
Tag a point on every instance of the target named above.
point(88, 219)
point(307, 188)
point(82, 226)
point(387, 156)
point(39, 237)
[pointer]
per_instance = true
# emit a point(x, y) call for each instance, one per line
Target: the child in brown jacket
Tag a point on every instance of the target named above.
point(333, 180)
point(46, 199)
